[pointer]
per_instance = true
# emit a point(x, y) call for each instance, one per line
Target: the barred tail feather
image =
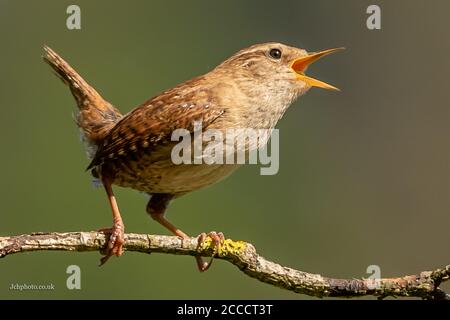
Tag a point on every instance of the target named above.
point(95, 116)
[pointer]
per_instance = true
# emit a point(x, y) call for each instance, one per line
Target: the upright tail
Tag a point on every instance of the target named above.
point(95, 116)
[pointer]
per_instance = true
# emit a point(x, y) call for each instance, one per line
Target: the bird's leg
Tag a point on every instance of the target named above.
point(156, 208)
point(116, 233)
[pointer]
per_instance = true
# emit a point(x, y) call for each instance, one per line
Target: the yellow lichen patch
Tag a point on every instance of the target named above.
point(227, 247)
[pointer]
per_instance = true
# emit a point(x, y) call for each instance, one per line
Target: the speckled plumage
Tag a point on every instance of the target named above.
point(251, 89)
point(246, 91)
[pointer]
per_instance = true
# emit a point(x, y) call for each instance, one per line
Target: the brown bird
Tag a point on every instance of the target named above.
point(251, 89)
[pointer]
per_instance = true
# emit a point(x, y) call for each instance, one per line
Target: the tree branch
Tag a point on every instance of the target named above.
point(243, 255)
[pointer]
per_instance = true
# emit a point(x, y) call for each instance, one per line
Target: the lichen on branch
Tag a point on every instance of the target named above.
point(242, 254)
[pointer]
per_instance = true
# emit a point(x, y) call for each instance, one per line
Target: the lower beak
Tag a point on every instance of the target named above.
point(301, 64)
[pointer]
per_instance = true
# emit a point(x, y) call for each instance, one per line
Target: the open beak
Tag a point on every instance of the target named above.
point(301, 64)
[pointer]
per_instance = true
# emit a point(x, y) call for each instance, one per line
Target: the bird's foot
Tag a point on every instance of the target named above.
point(217, 238)
point(116, 239)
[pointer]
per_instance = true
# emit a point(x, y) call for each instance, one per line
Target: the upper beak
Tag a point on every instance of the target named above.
point(301, 64)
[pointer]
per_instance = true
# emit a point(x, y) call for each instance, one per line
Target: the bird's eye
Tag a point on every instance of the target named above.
point(275, 53)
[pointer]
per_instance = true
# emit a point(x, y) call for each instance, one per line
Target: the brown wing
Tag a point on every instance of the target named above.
point(152, 123)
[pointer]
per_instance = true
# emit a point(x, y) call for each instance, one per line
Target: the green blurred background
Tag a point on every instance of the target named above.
point(364, 173)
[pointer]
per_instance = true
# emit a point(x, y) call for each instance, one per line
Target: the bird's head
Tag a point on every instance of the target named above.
point(275, 69)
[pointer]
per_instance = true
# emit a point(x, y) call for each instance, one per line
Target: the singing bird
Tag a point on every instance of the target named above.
point(251, 89)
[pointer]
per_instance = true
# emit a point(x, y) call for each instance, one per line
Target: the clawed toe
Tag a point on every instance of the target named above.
point(116, 239)
point(217, 238)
